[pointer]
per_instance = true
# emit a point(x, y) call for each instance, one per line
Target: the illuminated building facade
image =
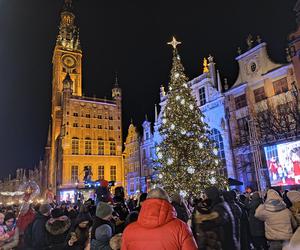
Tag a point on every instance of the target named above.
point(85, 132)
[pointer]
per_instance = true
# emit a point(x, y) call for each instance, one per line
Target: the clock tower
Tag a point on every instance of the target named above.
point(66, 61)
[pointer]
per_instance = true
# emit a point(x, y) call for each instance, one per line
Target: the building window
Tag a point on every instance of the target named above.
point(144, 154)
point(99, 116)
point(110, 118)
point(75, 114)
point(243, 129)
point(75, 125)
point(88, 146)
point(75, 146)
point(111, 128)
point(100, 147)
point(240, 101)
point(74, 174)
point(88, 126)
point(202, 97)
point(113, 173)
point(112, 148)
point(147, 136)
point(259, 94)
point(217, 138)
point(99, 126)
point(280, 86)
point(101, 173)
point(88, 116)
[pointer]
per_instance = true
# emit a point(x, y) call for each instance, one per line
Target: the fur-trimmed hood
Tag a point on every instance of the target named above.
point(58, 225)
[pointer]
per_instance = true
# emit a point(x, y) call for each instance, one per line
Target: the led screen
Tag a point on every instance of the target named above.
point(283, 163)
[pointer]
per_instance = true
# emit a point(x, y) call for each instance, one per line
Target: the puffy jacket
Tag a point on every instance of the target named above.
point(158, 228)
point(279, 221)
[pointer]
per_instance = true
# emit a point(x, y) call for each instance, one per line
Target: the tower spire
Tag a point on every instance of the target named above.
point(68, 36)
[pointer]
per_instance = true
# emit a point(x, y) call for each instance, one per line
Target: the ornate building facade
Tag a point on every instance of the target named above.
point(85, 133)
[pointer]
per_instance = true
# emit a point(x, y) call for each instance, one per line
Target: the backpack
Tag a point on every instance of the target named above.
point(28, 235)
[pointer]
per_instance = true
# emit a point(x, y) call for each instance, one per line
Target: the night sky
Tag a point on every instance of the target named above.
point(125, 36)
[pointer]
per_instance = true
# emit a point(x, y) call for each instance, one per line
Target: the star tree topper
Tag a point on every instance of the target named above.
point(174, 43)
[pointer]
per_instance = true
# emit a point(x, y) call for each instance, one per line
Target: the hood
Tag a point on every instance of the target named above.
point(228, 196)
point(155, 213)
point(294, 196)
point(274, 205)
point(273, 195)
point(213, 194)
point(58, 226)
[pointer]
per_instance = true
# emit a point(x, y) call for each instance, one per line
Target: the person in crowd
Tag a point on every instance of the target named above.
point(116, 242)
point(3, 235)
point(206, 239)
point(132, 217)
point(26, 217)
point(35, 233)
point(57, 228)
point(257, 228)
point(181, 209)
point(245, 239)
point(229, 197)
point(103, 229)
point(120, 208)
point(157, 226)
point(279, 221)
point(78, 237)
point(142, 198)
point(223, 225)
point(12, 230)
point(294, 198)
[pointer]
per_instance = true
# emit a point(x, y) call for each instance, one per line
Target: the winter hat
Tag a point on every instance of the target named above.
point(9, 216)
point(294, 196)
point(143, 197)
point(103, 210)
point(273, 195)
point(56, 213)
point(45, 208)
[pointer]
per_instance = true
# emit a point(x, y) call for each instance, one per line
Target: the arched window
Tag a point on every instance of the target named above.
point(217, 138)
point(75, 146)
point(88, 146)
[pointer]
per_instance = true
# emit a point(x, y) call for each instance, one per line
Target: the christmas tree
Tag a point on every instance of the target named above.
point(188, 161)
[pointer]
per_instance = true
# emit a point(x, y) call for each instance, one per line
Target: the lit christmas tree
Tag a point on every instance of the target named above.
point(188, 161)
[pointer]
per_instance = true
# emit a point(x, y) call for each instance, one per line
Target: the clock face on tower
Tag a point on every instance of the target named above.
point(68, 61)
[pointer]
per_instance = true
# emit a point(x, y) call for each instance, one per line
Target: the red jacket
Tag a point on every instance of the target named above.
point(158, 228)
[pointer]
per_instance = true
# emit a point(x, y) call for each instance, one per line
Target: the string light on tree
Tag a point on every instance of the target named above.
point(188, 157)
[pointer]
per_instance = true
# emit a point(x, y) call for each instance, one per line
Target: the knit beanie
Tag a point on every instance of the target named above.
point(45, 208)
point(103, 210)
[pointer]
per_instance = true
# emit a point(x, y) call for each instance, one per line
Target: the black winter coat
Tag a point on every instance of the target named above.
point(38, 233)
point(182, 214)
point(257, 227)
point(57, 232)
point(223, 226)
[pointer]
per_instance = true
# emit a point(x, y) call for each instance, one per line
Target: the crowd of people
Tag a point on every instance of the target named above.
point(219, 220)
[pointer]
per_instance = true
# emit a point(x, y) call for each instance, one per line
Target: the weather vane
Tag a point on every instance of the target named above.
point(174, 43)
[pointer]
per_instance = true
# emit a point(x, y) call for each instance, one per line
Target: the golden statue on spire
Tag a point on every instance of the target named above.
point(174, 43)
point(205, 66)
